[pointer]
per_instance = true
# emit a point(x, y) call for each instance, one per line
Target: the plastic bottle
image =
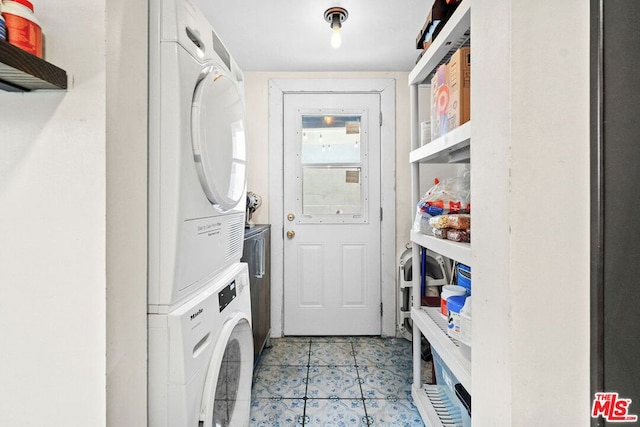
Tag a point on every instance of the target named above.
point(23, 28)
point(454, 305)
point(465, 329)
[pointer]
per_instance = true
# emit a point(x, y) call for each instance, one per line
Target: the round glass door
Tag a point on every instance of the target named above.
point(228, 389)
point(217, 137)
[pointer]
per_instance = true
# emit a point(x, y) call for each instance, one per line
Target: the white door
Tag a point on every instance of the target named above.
point(332, 214)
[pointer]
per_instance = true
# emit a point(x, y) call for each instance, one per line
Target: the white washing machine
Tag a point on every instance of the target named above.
point(201, 357)
point(197, 168)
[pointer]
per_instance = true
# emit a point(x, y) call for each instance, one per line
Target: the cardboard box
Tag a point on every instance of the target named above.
point(439, 102)
point(459, 82)
point(440, 11)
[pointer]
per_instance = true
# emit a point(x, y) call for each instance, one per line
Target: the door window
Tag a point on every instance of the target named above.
point(332, 169)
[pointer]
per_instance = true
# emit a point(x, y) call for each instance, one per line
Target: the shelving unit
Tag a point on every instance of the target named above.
point(450, 148)
point(453, 250)
point(454, 147)
point(21, 71)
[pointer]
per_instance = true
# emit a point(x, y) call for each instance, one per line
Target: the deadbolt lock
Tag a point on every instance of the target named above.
point(291, 234)
point(291, 217)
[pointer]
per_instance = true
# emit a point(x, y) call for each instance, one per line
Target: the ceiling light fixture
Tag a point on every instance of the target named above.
point(336, 16)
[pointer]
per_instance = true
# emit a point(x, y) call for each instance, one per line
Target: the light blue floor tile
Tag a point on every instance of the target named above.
point(335, 413)
point(331, 339)
point(380, 382)
point(392, 412)
point(286, 352)
point(277, 412)
point(280, 381)
point(333, 382)
point(329, 353)
point(383, 351)
point(293, 339)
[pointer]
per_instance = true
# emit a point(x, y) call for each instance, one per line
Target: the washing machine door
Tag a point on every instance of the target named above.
point(217, 137)
point(227, 393)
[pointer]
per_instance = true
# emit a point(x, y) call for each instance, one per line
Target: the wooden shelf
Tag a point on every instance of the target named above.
point(454, 147)
point(433, 326)
point(22, 72)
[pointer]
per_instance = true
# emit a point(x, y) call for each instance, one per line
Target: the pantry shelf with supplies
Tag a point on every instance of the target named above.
point(21, 71)
point(439, 404)
point(461, 252)
point(452, 147)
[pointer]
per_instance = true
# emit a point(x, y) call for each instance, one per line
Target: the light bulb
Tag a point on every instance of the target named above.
point(336, 39)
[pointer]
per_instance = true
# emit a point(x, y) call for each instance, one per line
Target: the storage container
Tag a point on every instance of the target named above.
point(445, 378)
point(454, 305)
point(449, 291)
point(425, 133)
point(463, 274)
point(23, 28)
point(465, 329)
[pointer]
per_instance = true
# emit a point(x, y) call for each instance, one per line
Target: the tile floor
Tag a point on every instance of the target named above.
point(335, 381)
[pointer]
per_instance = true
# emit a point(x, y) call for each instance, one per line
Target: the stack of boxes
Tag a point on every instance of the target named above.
point(439, 14)
point(451, 82)
point(451, 93)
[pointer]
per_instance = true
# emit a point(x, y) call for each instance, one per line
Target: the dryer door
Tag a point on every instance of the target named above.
point(217, 137)
point(227, 392)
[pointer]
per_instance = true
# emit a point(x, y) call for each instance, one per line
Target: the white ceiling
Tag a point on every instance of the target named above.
point(292, 35)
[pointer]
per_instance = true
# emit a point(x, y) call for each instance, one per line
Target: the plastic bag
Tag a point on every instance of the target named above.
point(459, 235)
point(421, 222)
point(451, 195)
point(458, 221)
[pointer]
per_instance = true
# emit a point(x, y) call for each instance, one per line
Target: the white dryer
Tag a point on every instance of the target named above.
point(201, 357)
point(197, 185)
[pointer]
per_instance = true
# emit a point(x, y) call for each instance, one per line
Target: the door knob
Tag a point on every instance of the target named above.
point(291, 217)
point(291, 234)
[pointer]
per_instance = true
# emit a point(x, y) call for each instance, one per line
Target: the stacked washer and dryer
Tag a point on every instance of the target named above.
point(199, 308)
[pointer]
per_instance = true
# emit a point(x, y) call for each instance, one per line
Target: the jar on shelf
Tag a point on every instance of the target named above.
point(23, 28)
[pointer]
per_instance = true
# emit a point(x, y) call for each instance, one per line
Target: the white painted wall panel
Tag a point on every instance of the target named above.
point(53, 228)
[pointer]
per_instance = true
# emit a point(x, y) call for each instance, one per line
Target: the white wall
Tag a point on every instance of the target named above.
point(126, 337)
point(52, 223)
point(530, 150)
point(73, 226)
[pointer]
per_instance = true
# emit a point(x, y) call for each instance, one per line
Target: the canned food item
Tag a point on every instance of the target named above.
point(23, 28)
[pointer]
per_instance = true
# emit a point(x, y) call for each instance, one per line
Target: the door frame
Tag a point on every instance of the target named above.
point(387, 90)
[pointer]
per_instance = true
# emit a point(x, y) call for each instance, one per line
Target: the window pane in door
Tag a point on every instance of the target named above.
point(331, 190)
point(331, 139)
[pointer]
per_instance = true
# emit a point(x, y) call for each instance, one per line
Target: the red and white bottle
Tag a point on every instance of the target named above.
point(23, 28)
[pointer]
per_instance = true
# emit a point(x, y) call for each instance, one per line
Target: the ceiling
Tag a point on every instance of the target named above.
point(292, 35)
